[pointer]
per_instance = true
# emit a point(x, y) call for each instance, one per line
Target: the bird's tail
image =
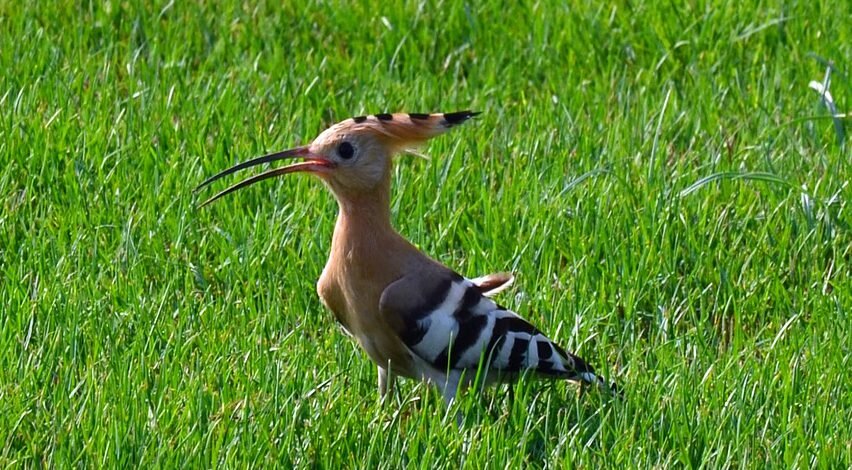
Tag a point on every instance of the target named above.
point(583, 372)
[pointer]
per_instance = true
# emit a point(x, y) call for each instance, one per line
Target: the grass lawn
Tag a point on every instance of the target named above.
point(672, 196)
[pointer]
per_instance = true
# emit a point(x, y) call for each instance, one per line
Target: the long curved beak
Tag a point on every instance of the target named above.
point(313, 163)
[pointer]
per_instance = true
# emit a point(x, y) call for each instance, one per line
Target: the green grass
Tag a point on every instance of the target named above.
point(137, 330)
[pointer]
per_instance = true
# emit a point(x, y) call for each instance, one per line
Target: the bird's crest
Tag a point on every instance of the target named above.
point(403, 129)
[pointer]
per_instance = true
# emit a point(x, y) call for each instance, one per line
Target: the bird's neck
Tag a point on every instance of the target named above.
point(363, 227)
point(363, 214)
point(367, 254)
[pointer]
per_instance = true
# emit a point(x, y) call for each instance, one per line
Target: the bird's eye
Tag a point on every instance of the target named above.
point(346, 150)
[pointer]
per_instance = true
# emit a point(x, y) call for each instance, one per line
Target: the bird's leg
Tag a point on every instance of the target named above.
point(386, 382)
point(451, 387)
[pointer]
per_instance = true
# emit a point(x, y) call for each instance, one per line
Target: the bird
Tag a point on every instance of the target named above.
point(413, 316)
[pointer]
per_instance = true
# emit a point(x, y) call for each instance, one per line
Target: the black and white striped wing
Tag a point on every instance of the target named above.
point(451, 325)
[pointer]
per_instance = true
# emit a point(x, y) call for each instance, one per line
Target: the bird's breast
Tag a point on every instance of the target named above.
point(331, 296)
point(355, 304)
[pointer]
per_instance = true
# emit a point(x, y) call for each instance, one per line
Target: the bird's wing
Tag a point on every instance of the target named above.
point(447, 322)
point(493, 284)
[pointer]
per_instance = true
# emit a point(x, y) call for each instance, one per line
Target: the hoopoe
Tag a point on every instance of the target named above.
point(413, 316)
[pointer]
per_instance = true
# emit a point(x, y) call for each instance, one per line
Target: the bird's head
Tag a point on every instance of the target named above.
point(352, 156)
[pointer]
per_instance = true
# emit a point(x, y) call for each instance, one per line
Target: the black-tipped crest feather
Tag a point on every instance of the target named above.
point(454, 119)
